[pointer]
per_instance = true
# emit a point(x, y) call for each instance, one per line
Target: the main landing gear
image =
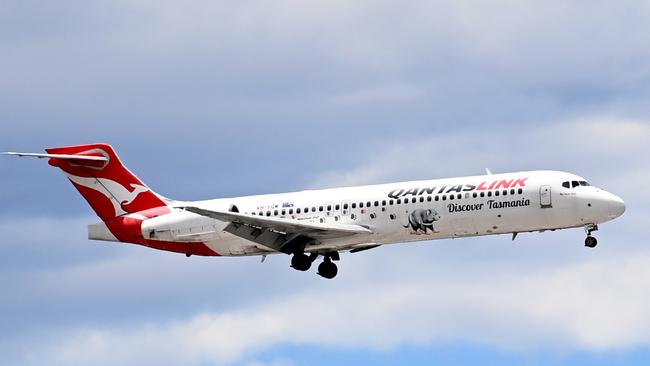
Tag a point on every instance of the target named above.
point(327, 269)
point(590, 241)
point(302, 261)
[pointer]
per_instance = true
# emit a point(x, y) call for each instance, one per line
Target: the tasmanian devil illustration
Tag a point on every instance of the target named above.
point(422, 219)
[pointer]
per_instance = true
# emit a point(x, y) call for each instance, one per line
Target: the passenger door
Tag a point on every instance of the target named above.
point(545, 196)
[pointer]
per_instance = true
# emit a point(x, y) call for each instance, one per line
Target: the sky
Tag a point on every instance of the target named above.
point(205, 99)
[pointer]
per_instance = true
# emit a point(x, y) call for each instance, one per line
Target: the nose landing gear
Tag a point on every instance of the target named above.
point(590, 241)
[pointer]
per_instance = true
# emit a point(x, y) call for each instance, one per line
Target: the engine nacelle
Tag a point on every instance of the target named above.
point(181, 226)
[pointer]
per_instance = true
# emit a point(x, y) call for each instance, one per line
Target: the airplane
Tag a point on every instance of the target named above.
point(322, 223)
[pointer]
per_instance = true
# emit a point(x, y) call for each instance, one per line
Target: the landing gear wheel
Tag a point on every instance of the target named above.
point(327, 269)
point(591, 242)
point(301, 262)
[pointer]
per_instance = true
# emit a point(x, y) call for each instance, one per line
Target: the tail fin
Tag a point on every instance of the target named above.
point(108, 186)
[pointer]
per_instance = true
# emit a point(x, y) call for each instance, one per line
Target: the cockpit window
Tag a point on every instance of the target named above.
point(575, 183)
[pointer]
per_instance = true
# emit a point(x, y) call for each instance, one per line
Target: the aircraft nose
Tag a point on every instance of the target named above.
point(616, 206)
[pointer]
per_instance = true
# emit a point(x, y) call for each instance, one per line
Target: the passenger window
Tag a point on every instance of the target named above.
point(505, 192)
point(360, 204)
point(428, 198)
point(444, 197)
point(275, 213)
point(459, 196)
point(345, 206)
point(298, 210)
point(512, 191)
point(421, 199)
point(354, 205)
point(284, 212)
point(474, 194)
point(520, 191)
point(437, 198)
point(261, 213)
point(368, 204)
point(329, 208)
point(482, 194)
point(320, 209)
point(337, 207)
point(376, 203)
point(451, 196)
point(383, 203)
point(313, 209)
point(268, 213)
point(413, 200)
point(489, 194)
point(390, 202)
point(566, 185)
point(399, 201)
point(496, 193)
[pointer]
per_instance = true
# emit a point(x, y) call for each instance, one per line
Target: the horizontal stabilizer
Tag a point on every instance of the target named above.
point(58, 156)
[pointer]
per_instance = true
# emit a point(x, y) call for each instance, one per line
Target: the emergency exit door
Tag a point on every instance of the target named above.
point(545, 196)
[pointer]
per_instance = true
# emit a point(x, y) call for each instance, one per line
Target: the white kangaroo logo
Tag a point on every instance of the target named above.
point(115, 192)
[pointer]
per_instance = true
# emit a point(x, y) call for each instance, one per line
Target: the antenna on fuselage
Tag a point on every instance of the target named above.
point(487, 171)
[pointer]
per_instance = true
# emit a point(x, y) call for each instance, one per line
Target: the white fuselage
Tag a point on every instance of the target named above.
point(407, 211)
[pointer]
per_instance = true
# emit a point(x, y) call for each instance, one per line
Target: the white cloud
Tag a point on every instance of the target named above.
point(605, 149)
point(594, 305)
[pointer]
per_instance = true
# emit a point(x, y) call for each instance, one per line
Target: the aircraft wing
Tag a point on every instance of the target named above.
point(282, 234)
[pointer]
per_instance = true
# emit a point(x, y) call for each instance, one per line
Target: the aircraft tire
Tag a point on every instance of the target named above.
point(327, 269)
point(300, 262)
point(591, 242)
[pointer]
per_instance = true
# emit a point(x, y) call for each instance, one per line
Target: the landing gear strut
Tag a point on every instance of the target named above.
point(590, 241)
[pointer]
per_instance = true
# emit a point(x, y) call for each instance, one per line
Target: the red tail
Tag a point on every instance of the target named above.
point(108, 186)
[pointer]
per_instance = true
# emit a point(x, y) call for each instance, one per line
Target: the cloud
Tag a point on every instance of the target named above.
point(594, 305)
point(594, 147)
point(381, 94)
point(348, 93)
